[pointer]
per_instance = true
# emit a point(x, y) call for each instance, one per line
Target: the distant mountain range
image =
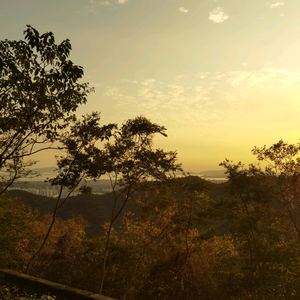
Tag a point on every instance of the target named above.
point(212, 174)
point(96, 209)
point(45, 170)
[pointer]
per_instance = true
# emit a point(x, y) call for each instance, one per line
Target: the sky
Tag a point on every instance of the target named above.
point(221, 75)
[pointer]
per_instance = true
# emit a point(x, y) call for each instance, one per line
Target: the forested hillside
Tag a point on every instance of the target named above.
point(96, 209)
point(159, 233)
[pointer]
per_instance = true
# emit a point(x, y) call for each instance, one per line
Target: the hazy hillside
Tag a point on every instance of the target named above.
point(96, 209)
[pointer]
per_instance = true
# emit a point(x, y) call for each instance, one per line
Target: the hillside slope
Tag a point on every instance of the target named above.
point(96, 209)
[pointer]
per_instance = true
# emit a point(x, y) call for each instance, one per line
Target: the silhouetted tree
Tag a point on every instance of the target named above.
point(39, 93)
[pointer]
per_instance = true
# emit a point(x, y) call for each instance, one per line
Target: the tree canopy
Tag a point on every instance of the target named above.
point(40, 90)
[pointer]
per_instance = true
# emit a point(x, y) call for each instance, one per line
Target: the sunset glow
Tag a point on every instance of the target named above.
point(221, 75)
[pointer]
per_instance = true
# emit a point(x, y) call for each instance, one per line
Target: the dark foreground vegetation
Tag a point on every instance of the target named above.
point(8, 292)
point(158, 236)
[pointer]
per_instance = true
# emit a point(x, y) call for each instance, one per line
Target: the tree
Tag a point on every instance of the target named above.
point(39, 92)
point(154, 256)
point(263, 211)
point(82, 160)
point(15, 233)
point(23, 229)
point(86, 190)
point(180, 213)
point(130, 161)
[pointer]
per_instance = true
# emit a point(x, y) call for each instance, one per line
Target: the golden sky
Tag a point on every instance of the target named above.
point(221, 75)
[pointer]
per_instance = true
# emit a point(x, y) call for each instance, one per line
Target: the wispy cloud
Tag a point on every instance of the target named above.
point(91, 8)
point(265, 80)
point(94, 7)
point(273, 5)
point(218, 15)
point(105, 3)
point(204, 101)
point(183, 10)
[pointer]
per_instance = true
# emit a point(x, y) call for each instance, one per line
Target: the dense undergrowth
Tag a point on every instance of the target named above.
point(13, 293)
point(171, 250)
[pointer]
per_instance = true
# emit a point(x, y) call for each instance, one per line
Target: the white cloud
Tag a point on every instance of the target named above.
point(264, 80)
point(202, 75)
point(93, 6)
point(273, 5)
point(204, 101)
point(183, 10)
point(179, 77)
point(93, 11)
point(105, 3)
point(148, 81)
point(218, 15)
point(90, 9)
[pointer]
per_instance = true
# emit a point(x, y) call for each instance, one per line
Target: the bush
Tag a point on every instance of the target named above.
point(13, 293)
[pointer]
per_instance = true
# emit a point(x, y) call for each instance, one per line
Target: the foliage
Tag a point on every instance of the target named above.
point(159, 244)
point(82, 159)
point(39, 92)
point(130, 161)
point(15, 232)
point(132, 156)
point(7, 293)
point(263, 211)
point(23, 229)
point(86, 190)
